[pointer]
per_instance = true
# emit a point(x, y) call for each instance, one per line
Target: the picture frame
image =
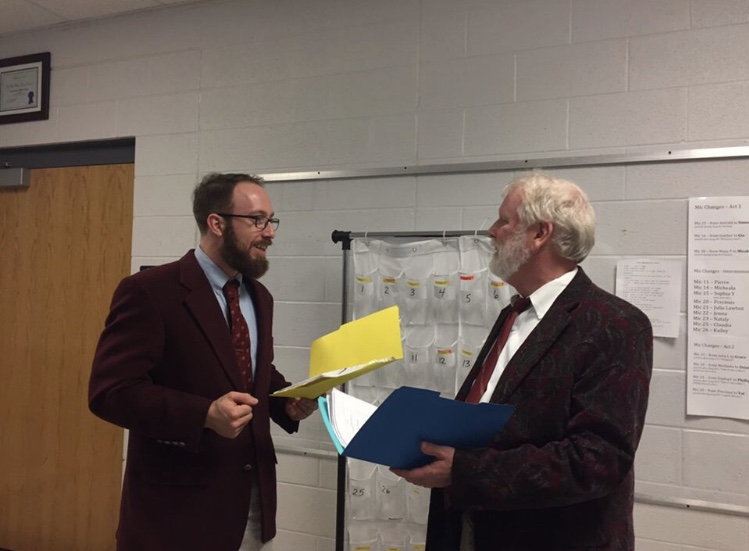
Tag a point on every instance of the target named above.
point(24, 88)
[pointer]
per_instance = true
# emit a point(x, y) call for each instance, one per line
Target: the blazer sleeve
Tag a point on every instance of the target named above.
point(596, 440)
point(121, 388)
point(278, 405)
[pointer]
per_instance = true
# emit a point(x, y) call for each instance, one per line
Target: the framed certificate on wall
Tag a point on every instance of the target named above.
point(24, 88)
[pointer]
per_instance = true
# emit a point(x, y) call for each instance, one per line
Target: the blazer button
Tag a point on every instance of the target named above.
point(247, 468)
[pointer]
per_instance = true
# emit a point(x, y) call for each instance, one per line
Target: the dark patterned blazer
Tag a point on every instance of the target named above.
point(560, 474)
point(165, 354)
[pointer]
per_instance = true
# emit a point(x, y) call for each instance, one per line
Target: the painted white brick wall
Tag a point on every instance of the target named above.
point(602, 19)
point(314, 84)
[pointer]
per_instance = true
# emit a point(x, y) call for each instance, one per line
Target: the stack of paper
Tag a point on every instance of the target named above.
point(358, 347)
point(345, 415)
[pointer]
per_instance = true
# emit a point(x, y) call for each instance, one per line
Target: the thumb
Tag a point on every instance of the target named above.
point(430, 449)
point(243, 398)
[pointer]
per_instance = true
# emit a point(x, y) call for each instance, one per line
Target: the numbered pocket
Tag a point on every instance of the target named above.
point(391, 494)
point(362, 536)
point(365, 298)
point(444, 298)
point(471, 340)
point(361, 490)
point(472, 298)
point(499, 294)
point(446, 359)
point(417, 503)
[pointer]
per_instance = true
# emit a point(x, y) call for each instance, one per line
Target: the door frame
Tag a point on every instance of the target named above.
point(86, 153)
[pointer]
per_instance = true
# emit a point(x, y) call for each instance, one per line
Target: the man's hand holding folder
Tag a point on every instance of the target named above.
point(437, 474)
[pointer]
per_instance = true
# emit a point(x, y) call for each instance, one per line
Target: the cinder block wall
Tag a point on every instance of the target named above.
point(300, 85)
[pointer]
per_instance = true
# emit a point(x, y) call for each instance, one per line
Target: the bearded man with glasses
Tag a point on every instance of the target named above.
point(185, 363)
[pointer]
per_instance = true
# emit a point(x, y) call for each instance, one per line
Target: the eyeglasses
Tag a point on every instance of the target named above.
point(261, 221)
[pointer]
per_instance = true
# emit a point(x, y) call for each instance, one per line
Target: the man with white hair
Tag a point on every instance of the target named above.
point(576, 364)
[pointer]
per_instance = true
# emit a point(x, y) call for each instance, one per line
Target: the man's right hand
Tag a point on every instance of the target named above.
point(229, 414)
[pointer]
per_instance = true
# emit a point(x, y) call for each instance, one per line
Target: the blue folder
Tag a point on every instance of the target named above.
point(394, 432)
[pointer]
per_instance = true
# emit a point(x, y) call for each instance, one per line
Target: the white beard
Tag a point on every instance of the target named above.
point(509, 257)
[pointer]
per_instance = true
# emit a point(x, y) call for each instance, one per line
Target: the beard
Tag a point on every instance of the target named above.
point(510, 256)
point(240, 259)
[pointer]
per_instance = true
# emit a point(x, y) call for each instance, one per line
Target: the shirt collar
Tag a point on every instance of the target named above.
point(543, 297)
point(216, 276)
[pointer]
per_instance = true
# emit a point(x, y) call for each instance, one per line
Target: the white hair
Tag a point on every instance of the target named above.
point(565, 205)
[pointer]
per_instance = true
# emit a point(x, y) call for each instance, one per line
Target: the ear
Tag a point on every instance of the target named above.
point(543, 233)
point(216, 224)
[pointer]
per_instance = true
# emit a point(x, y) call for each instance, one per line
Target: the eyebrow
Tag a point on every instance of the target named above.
point(261, 213)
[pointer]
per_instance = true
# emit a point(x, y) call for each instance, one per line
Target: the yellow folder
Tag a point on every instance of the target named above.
point(354, 349)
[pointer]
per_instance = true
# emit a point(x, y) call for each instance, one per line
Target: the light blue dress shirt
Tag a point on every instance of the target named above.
point(217, 278)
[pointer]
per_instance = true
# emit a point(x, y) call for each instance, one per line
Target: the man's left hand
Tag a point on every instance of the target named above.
point(438, 474)
point(300, 408)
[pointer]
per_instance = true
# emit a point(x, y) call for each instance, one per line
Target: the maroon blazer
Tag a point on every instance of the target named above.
point(559, 476)
point(165, 354)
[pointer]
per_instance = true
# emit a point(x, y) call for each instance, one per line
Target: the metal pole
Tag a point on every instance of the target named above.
point(340, 520)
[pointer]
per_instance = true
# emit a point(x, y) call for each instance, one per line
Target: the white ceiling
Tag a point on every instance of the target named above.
point(25, 15)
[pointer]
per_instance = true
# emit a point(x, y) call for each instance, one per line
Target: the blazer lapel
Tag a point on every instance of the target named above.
point(541, 338)
point(203, 307)
point(529, 354)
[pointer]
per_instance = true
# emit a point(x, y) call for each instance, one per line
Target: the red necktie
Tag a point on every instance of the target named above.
point(240, 333)
point(487, 368)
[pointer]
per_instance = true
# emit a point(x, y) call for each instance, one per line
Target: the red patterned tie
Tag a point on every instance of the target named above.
point(487, 368)
point(240, 333)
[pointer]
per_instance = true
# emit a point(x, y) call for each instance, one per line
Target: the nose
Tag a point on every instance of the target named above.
point(492, 231)
point(268, 232)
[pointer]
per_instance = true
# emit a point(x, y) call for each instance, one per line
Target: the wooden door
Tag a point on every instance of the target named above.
point(64, 244)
